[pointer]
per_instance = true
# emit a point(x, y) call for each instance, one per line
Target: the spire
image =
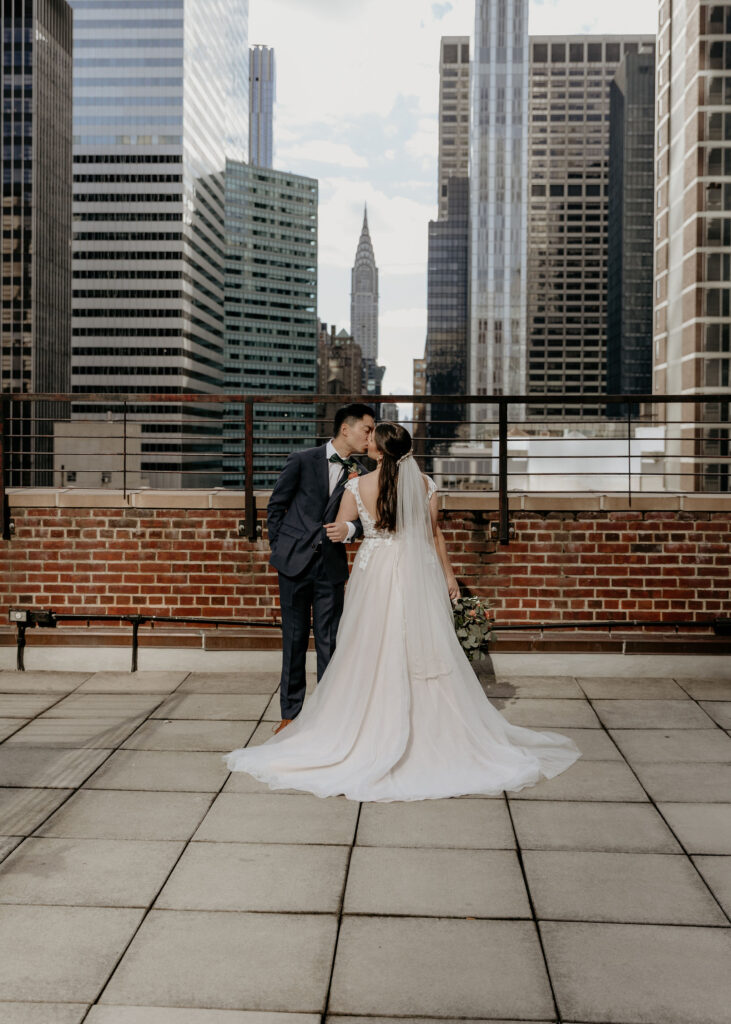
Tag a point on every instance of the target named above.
point(365, 216)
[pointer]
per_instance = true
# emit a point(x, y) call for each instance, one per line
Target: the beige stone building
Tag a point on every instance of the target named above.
point(692, 321)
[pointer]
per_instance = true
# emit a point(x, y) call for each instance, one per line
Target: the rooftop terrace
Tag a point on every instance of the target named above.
point(143, 884)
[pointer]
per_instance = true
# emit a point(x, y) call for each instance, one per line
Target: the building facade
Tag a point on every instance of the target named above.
point(498, 198)
point(35, 341)
point(160, 101)
point(271, 327)
point(454, 114)
point(570, 79)
point(339, 372)
point(692, 316)
point(262, 97)
point(364, 308)
point(630, 240)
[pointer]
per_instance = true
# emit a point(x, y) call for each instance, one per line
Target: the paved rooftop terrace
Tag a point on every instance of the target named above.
point(141, 883)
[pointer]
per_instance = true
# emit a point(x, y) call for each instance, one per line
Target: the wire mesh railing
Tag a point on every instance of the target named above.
point(649, 444)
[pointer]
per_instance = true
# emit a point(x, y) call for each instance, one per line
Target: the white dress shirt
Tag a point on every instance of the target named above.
point(335, 470)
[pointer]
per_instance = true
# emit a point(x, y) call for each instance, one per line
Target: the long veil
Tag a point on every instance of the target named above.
point(427, 610)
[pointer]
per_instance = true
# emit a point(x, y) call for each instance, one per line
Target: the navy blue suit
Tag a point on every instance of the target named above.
point(312, 569)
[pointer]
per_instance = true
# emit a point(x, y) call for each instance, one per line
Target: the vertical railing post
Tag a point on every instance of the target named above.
point(629, 454)
point(4, 517)
point(124, 450)
point(249, 500)
point(504, 535)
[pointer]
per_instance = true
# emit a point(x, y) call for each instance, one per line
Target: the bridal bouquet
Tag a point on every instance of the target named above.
point(473, 625)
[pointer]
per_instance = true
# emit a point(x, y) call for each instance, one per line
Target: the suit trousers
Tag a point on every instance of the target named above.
point(308, 596)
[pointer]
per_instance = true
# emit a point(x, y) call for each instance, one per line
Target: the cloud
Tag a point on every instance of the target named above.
point(439, 10)
point(322, 152)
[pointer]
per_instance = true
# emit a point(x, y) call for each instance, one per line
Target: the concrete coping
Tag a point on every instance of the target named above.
point(473, 501)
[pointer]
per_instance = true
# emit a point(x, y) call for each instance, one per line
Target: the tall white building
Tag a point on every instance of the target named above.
point(498, 197)
point(160, 101)
point(364, 296)
point(262, 96)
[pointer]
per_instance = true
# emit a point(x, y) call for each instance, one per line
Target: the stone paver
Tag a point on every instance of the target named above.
point(717, 873)
point(214, 706)
point(265, 877)
point(625, 887)
point(133, 682)
point(43, 1013)
point(438, 968)
point(41, 682)
point(22, 810)
point(104, 705)
point(75, 732)
point(161, 770)
point(553, 825)
point(652, 714)
point(433, 882)
point(629, 973)
point(227, 961)
point(537, 713)
point(701, 828)
point(157, 734)
point(87, 872)
point(679, 745)
point(611, 688)
point(25, 705)
point(462, 824)
point(264, 818)
point(691, 783)
point(719, 710)
point(113, 814)
point(48, 766)
point(144, 875)
point(706, 689)
point(65, 954)
point(231, 682)
point(163, 1015)
point(587, 780)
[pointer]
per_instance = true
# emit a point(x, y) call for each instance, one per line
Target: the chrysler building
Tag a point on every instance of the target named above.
point(364, 297)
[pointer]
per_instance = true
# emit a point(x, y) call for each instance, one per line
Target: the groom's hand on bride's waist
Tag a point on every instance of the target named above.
point(339, 533)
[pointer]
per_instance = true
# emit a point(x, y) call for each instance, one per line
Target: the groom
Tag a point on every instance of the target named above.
point(308, 547)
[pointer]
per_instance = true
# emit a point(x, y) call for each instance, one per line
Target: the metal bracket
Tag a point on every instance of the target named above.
point(495, 533)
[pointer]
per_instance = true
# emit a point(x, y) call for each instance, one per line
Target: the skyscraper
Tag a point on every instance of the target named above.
point(160, 101)
point(262, 95)
point(570, 78)
point(35, 342)
point(692, 327)
point(364, 305)
point(271, 321)
point(454, 113)
point(630, 227)
point(448, 259)
point(498, 197)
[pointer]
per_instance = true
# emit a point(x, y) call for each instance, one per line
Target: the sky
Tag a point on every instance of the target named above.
point(357, 99)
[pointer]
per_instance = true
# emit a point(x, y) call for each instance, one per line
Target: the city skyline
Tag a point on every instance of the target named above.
point(374, 137)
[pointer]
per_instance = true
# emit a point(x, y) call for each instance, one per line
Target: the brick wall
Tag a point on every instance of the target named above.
point(561, 566)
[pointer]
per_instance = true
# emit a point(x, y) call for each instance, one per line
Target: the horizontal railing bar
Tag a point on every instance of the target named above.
point(145, 398)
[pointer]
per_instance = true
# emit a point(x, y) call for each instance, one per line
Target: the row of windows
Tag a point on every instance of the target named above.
point(123, 83)
point(111, 216)
point(128, 101)
point(129, 140)
point(125, 236)
point(125, 119)
point(133, 158)
point(127, 197)
point(127, 177)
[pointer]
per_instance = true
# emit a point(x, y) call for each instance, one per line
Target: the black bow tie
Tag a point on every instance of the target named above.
point(349, 464)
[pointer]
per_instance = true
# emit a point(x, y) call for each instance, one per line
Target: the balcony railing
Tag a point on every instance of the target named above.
point(649, 444)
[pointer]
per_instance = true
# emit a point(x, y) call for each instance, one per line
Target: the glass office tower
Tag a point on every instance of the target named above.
point(160, 102)
point(35, 341)
point(262, 95)
point(271, 319)
point(629, 230)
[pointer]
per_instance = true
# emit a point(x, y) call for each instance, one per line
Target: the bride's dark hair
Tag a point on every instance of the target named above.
point(393, 441)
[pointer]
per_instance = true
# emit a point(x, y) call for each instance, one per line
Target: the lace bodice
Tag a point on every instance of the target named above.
point(372, 536)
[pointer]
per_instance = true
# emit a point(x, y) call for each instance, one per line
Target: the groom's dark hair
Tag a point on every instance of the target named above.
point(351, 414)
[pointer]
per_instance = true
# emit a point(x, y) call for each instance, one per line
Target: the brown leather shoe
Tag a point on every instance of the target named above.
point(285, 721)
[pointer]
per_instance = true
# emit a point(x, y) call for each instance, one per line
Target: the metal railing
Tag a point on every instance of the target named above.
point(490, 443)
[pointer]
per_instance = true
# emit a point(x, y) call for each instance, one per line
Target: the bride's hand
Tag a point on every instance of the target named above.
point(452, 586)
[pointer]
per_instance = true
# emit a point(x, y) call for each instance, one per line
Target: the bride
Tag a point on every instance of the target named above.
point(399, 713)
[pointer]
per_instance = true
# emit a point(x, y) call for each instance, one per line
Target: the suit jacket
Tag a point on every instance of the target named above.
point(298, 507)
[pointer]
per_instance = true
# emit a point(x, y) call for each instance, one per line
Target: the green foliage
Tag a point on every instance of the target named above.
point(473, 624)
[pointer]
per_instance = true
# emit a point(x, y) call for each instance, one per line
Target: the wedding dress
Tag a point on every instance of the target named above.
point(399, 713)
